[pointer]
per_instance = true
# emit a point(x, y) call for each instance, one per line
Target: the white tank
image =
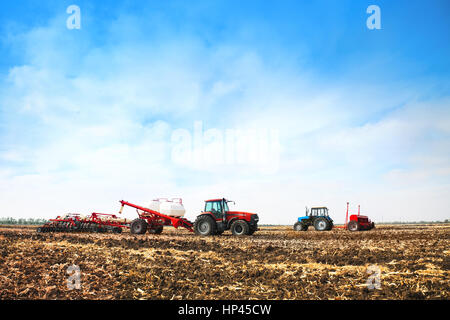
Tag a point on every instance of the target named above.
point(172, 207)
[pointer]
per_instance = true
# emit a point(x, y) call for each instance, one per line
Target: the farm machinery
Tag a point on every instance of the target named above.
point(96, 222)
point(358, 222)
point(216, 218)
point(161, 212)
point(319, 218)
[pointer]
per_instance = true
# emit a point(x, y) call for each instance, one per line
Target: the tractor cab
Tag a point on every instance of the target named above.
point(316, 212)
point(317, 217)
point(217, 207)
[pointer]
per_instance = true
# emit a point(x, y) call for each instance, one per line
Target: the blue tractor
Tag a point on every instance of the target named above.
point(317, 217)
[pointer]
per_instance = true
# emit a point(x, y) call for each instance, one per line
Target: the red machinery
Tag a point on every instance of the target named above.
point(358, 222)
point(153, 221)
point(213, 221)
point(102, 222)
point(216, 218)
point(96, 222)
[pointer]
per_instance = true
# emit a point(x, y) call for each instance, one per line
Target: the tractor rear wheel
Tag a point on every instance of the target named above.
point(204, 225)
point(240, 228)
point(321, 224)
point(138, 226)
point(353, 226)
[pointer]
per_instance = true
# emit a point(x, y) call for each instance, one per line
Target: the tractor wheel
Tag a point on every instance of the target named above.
point(156, 230)
point(252, 231)
point(138, 226)
point(353, 226)
point(298, 226)
point(321, 224)
point(240, 228)
point(204, 225)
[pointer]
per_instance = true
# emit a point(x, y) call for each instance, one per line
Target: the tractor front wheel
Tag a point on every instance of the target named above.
point(240, 228)
point(205, 226)
point(138, 226)
point(298, 226)
point(353, 226)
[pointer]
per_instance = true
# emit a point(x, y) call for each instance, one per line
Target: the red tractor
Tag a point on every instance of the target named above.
point(216, 218)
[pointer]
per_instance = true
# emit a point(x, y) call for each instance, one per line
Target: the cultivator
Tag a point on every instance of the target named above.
point(96, 222)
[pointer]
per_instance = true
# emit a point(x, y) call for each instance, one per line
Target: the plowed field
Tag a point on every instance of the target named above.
point(275, 263)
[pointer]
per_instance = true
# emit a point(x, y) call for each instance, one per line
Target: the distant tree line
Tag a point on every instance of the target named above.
point(21, 221)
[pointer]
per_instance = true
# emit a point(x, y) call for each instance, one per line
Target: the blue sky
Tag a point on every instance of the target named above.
point(87, 117)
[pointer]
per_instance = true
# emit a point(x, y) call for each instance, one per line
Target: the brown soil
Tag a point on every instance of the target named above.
point(274, 263)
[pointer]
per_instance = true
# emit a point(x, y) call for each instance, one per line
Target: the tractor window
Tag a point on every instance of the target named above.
point(225, 206)
point(217, 206)
point(208, 206)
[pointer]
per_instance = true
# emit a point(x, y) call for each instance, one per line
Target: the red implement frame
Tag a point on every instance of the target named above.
point(364, 222)
point(155, 218)
point(96, 218)
point(346, 220)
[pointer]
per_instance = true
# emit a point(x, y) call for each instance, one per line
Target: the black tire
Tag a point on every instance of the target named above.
point(321, 224)
point(240, 228)
point(156, 230)
point(117, 230)
point(298, 226)
point(138, 226)
point(353, 226)
point(204, 225)
point(252, 231)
